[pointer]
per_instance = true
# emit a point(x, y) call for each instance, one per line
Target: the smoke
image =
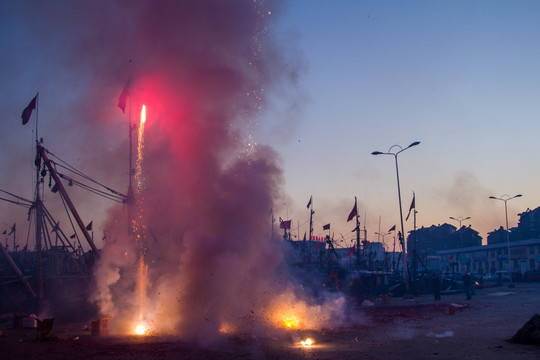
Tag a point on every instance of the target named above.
point(457, 200)
point(206, 190)
point(207, 72)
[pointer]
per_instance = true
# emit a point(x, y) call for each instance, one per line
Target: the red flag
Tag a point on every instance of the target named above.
point(27, 112)
point(351, 252)
point(285, 224)
point(122, 100)
point(309, 202)
point(411, 207)
point(353, 212)
point(393, 228)
point(326, 227)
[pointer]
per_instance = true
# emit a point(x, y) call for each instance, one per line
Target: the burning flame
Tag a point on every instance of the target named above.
point(143, 114)
point(291, 322)
point(227, 328)
point(140, 329)
point(307, 343)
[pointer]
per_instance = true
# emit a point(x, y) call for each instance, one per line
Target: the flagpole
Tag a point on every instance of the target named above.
point(311, 212)
point(414, 250)
point(38, 212)
point(357, 239)
point(37, 116)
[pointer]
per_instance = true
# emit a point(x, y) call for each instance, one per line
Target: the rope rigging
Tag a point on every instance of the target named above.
point(110, 193)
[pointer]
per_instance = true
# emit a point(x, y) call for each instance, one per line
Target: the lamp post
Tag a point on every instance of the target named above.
point(460, 219)
point(505, 198)
point(381, 234)
point(395, 154)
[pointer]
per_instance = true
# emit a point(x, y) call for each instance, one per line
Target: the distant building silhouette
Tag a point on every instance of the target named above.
point(529, 224)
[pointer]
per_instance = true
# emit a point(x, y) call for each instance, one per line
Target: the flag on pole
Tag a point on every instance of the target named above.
point(122, 100)
point(89, 226)
point(5, 232)
point(353, 212)
point(411, 207)
point(393, 228)
point(13, 228)
point(27, 112)
point(286, 224)
point(326, 227)
point(309, 202)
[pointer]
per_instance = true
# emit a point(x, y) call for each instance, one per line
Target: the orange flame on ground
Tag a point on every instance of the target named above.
point(140, 329)
point(307, 343)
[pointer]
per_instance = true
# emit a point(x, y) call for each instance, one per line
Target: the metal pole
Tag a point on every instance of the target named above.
point(402, 238)
point(405, 268)
point(505, 198)
point(508, 243)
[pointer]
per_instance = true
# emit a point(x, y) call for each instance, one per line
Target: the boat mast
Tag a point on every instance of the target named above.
point(38, 208)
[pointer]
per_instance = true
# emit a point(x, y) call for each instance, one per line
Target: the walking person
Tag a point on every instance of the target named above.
point(467, 283)
point(436, 283)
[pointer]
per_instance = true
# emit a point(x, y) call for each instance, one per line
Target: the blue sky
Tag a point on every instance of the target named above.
point(461, 77)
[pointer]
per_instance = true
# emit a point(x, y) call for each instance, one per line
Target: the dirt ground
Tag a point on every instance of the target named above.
point(418, 328)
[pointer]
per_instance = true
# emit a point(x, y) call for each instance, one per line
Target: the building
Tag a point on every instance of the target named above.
point(524, 256)
point(529, 224)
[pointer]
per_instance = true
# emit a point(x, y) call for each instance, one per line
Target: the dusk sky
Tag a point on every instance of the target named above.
point(460, 77)
point(463, 78)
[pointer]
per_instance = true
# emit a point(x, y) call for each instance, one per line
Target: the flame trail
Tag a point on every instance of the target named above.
point(139, 226)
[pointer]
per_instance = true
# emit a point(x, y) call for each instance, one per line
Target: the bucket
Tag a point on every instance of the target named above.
point(100, 327)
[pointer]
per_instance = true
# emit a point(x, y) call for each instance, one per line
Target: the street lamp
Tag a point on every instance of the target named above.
point(505, 198)
point(383, 235)
point(460, 219)
point(395, 154)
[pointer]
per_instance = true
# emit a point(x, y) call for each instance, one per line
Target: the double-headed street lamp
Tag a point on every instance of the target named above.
point(460, 219)
point(395, 154)
point(505, 198)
